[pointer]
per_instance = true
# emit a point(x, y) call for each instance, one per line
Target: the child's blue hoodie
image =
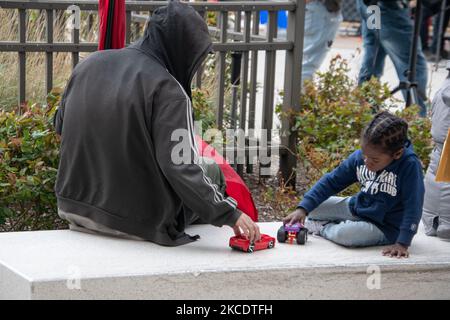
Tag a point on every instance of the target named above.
point(392, 199)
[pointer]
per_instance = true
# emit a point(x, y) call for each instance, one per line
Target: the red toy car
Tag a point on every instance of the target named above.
point(242, 243)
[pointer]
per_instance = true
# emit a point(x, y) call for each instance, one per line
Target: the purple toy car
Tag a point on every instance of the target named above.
point(289, 233)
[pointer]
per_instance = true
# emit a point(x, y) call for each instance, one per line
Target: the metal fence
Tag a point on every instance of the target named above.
point(350, 11)
point(247, 41)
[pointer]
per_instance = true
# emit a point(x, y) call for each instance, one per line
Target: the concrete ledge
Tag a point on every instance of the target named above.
point(72, 265)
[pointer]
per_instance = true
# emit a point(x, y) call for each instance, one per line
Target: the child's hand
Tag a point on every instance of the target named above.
point(396, 251)
point(298, 215)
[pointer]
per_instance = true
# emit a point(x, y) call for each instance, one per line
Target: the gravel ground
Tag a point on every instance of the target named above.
point(272, 201)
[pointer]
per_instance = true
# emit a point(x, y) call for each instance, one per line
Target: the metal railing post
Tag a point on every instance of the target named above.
point(22, 57)
point(75, 40)
point(253, 89)
point(221, 67)
point(49, 53)
point(292, 89)
point(269, 88)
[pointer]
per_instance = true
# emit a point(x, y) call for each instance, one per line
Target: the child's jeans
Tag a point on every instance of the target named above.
point(345, 228)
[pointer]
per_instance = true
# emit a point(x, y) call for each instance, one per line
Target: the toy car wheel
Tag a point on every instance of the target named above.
point(281, 235)
point(302, 236)
point(271, 245)
point(251, 248)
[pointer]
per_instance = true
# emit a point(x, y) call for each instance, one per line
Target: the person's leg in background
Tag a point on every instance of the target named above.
point(374, 55)
point(430, 212)
point(424, 33)
point(427, 13)
point(436, 22)
point(396, 34)
point(443, 229)
point(321, 27)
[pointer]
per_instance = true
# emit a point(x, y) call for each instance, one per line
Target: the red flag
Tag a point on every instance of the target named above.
point(112, 24)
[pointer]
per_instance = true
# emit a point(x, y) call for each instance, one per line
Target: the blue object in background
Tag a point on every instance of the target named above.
point(282, 18)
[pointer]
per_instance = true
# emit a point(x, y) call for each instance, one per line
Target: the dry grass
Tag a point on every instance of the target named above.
point(36, 62)
point(62, 62)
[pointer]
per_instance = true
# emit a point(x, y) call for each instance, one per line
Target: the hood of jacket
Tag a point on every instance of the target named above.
point(178, 37)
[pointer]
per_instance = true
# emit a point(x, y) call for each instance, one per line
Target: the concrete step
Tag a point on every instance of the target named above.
point(71, 265)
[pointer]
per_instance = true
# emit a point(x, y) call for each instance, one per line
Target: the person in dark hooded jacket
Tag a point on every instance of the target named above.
point(118, 172)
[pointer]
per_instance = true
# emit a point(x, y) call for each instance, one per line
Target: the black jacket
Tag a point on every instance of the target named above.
point(116, 119)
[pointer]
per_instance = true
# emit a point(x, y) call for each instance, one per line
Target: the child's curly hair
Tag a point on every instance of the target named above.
point(387, 131)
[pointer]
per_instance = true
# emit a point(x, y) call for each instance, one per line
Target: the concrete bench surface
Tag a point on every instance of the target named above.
point(72, 265)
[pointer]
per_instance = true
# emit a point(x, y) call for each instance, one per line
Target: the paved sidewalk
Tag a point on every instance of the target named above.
point(67, 264)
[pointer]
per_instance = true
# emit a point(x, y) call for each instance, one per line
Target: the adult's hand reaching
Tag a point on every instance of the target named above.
point(246, 226)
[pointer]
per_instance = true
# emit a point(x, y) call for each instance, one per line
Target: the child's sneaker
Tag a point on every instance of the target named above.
point(315, 226)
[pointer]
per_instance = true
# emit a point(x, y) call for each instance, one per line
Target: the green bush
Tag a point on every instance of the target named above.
point(28, 166)
point(335, 111)
point(203, 110)
point(29, 149)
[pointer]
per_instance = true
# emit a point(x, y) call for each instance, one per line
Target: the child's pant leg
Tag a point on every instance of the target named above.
point(431, 202)
point(443, 230)
point(354, 234)
point(444, 211)
point(333, 209)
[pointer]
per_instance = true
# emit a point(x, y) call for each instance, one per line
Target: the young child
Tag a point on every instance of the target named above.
point(388, 208)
